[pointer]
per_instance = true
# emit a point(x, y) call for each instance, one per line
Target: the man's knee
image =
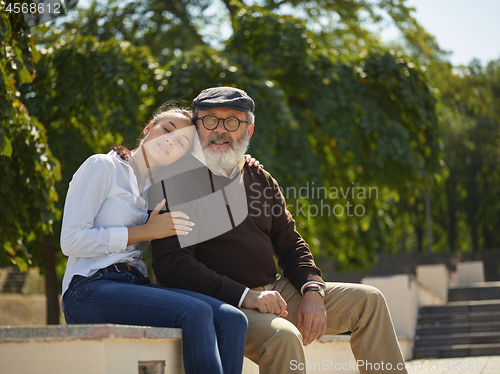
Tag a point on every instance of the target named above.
point(373, 295)
point(269, 328)
point(285, 332)
point(359, 291)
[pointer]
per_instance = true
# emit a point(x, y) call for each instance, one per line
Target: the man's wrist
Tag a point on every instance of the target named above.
point(314, 289)
point(243, 295)
point(312, 283)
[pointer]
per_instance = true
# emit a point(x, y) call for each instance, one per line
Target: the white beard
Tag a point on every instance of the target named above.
point(227, 159)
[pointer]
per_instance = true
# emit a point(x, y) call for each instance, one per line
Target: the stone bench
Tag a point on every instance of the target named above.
point(110, 349)
point(97, 349)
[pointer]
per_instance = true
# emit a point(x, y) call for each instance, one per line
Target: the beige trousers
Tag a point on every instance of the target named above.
point(275, 344)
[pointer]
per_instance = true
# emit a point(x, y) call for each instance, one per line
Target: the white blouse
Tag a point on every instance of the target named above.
point(103, 200)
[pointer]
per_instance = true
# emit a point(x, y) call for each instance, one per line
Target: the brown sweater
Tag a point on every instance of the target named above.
point(242, 252)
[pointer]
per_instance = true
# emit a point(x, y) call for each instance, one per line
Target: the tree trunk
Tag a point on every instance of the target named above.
point(428, 220)
point(488, 241)
point(232, 8)
point(51, 284)
point(452, 219)
point(418, 227)
point(475, 235)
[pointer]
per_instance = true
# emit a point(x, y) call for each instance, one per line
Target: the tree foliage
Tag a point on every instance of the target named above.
point(336, 109)
point(29, 171)
point(370, 122)
point(90, 95)
point(465, 206)
point(468, 207)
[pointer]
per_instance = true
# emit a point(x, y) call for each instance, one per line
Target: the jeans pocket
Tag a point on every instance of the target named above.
point(76, 281)
point(80, 285)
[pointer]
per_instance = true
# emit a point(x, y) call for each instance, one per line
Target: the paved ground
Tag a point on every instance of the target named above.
point(462, 365)
point(21, 310)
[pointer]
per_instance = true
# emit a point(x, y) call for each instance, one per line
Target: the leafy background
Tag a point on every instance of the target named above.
point(336, 108)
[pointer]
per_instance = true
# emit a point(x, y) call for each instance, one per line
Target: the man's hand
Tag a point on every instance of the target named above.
point(265, 302)
point(311, 317)
point(252, 161)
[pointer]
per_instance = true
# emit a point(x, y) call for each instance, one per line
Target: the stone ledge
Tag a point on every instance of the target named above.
point(335, 338)
point(91, 331)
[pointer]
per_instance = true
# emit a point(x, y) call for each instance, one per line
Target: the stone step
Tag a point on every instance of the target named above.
point(444, 327)
point(462, 350)
point(14, 282)
point(475, 291)
point(477, 285)
point(457, 339)
point(456, 318)
point(456, 307)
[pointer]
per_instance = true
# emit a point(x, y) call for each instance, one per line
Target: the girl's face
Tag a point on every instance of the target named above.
point(169, 140)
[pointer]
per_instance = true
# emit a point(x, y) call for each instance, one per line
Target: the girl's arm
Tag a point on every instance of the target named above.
point(88, 190)
point(86, 193)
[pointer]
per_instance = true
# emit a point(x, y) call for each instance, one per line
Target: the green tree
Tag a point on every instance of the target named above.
point(333, 107)
point(471, 133)
point(464, 206)
point(165, 27)
point(366, 123)
point(29, 170)
point(90, 95)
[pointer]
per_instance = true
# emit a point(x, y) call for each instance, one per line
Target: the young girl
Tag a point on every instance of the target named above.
point(105, 231)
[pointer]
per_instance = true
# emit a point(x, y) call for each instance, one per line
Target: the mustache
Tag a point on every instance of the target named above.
point(219, 137)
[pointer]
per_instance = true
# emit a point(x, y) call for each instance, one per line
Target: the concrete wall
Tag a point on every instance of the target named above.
point(83, 349)
point(406, 263)
point(111, 349)
point(435, 278)
point(470, 272)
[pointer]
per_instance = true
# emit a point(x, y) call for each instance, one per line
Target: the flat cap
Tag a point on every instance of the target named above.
point(224, 97)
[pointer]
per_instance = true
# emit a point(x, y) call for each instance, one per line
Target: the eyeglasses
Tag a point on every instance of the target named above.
point(230, 123)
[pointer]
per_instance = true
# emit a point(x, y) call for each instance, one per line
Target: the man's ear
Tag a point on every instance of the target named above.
point(250, 130)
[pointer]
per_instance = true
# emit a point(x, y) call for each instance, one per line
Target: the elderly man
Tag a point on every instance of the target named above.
point(231, 256)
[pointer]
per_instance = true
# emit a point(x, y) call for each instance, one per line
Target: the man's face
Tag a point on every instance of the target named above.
point(220, 145)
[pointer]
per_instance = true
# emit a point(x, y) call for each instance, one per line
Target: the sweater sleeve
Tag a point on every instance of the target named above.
point(292, 251)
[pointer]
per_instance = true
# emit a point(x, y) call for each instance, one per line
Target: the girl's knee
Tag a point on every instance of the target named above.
point(200, 311)
point(230, 317)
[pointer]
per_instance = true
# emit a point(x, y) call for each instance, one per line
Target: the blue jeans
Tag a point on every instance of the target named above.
point(213, 333)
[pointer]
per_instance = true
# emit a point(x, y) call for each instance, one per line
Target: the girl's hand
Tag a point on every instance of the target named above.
point(252, 161)
point(167, 224)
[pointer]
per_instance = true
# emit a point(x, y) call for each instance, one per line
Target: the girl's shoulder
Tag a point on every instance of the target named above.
point(104, 159)
point(100, 163)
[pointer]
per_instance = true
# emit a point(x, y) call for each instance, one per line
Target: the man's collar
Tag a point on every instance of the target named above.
point(218, 170)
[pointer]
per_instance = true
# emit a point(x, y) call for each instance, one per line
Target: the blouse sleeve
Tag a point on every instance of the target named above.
point(87, 191)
